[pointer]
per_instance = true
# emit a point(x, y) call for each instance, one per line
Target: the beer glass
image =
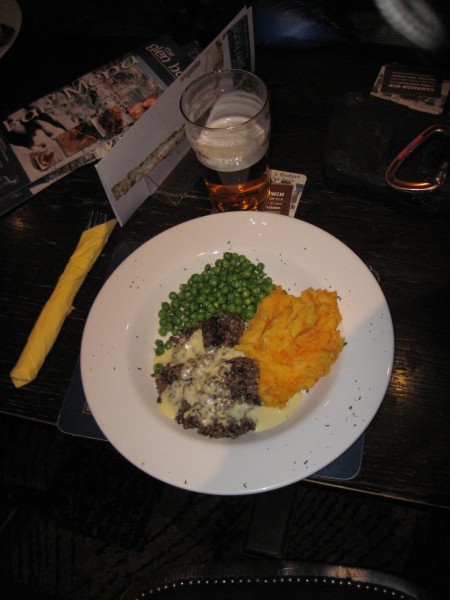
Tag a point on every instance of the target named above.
point(227, 122)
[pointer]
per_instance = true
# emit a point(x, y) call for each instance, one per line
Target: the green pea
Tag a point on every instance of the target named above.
point(232, 283)
point(249, 313)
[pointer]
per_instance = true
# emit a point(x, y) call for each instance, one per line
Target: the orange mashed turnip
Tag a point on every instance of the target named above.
point(295, 341)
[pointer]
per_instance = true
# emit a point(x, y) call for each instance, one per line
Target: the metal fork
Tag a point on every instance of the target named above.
point(96, 217)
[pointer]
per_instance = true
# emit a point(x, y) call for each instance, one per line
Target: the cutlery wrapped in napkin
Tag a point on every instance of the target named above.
point(59, 305)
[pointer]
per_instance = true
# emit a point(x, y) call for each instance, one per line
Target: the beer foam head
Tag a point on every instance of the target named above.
point(227, 151)
point(237, 104)
point(232, 139)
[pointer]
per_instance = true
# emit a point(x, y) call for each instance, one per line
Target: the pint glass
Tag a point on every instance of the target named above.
point(227, 122)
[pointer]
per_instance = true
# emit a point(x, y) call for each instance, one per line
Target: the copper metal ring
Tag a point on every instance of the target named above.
point(418, 186)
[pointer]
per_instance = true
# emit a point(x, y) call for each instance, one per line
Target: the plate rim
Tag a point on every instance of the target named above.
point(14, 21)
point(193, 223)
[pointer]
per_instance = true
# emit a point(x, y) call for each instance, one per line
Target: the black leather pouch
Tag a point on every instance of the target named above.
point(367, 133)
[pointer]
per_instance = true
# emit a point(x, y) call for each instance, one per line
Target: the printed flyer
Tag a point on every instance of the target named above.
point(79, 123)
point(135, 168)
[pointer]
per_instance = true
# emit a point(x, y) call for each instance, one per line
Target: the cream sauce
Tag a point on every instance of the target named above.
point(267, 417)
point(201, 384)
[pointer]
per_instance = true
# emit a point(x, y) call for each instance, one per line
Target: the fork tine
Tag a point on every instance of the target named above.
point(89, 221)
point(96, 217)
point(101, 217)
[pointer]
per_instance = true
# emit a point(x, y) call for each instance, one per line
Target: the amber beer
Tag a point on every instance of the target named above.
point(246, 189)
point(228, 125)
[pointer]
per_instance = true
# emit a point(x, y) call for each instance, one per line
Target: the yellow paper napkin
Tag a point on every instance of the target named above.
point(59, 305)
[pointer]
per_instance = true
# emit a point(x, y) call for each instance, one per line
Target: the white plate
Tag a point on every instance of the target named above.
point(10, 14)
point(118, 342)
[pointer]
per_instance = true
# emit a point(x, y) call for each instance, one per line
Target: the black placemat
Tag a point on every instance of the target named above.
point(75, 417)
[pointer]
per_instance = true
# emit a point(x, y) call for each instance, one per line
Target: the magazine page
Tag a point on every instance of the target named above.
point(81, 122)
point(152, 148)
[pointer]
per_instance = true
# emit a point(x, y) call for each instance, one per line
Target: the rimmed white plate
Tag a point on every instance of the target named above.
point(118, 342)
point(11, 15)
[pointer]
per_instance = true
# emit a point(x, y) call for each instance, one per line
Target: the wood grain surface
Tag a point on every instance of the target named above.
point(406, 453)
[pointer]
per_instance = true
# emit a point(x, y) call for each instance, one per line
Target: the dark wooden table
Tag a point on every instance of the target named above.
point(407, 447)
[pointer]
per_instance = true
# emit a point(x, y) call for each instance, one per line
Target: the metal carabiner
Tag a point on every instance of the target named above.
point(438, 178)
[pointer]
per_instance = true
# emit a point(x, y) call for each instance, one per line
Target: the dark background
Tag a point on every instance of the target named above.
point(64, 533)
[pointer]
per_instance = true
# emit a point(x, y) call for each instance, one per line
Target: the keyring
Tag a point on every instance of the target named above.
point(436, 181)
